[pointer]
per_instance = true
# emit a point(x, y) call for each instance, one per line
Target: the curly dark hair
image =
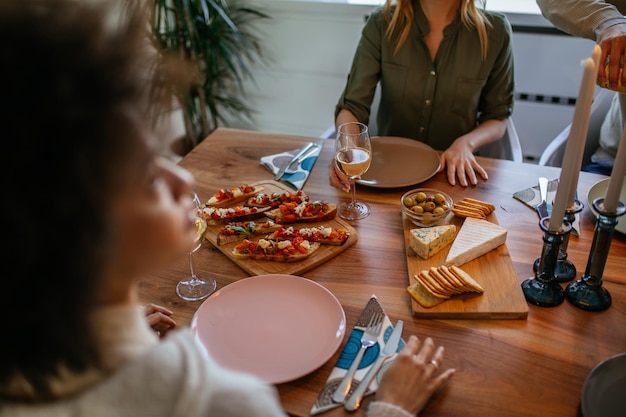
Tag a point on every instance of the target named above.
point(71, 73)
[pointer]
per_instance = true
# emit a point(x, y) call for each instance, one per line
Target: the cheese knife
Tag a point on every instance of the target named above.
point(299, 155)
point(354, 401)
point(542, 208)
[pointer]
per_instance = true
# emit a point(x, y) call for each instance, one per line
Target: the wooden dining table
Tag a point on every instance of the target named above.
point(526, 367)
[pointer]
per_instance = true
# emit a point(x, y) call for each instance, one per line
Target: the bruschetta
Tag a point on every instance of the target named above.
point(236, 231)
point(275, 199)
point(317, 211)
point(276, 251)
point(227, 197)
point(326, 235)
point(223, 215)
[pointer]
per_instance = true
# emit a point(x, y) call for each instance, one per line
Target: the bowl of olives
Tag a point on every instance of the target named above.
point(426, 207)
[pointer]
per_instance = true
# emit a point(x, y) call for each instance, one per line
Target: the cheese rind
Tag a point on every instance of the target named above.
point(475, 238)
point(428, 241)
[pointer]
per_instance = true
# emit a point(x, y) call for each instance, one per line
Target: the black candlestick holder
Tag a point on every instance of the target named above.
point(565, 270)
point(587, 293)
point(542, 289)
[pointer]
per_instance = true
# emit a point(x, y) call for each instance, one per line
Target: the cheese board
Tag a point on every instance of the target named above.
point(503, 297)
point(264, 267)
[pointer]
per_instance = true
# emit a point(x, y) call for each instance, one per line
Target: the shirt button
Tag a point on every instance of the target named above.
point(432, 73)
point(422, 129)
point(427, 102)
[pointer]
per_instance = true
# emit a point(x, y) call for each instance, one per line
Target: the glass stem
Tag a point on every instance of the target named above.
point(353, 187)
point(192, 268)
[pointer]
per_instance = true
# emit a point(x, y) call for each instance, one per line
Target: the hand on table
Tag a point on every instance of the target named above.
point(412, 378)
point(159, 318)
point(459, 162)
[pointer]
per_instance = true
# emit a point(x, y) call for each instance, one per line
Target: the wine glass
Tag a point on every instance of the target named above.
point(353, 155)
point(196, 287)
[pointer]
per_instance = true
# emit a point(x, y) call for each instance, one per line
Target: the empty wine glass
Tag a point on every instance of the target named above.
point(196, 287)
point(353, 155)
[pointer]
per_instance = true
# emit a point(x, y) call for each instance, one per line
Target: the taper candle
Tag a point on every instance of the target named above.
point(617, 178)
point(572, 158)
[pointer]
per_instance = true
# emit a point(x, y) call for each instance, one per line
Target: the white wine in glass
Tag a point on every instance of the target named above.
point(353, 156)
point(196, 287)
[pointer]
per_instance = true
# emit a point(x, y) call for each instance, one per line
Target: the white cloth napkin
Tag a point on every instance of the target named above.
point(531, 197)
point(297, 175)
point(324, 400)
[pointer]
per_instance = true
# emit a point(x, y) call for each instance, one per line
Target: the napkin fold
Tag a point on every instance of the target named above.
point(324, 400)
point(531, 197)
point(297, 174)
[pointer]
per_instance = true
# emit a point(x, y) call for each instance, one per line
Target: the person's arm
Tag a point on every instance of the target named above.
point(585, 19)
point(597, 20)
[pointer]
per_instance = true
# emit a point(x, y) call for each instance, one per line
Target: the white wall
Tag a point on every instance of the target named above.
point(310, 46)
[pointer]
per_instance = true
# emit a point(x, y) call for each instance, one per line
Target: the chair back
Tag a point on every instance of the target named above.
point(553, 153)
point(509, 147)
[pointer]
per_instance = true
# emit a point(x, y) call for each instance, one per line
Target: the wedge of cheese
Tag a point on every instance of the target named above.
point(475, 238)
point(429, 240)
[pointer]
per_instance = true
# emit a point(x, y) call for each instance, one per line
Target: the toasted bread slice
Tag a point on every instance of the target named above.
point(236, 231)
point(227, 197)
point(269, 250)
point(275, 199)
point(223, 215)
point(304, 212)
point(326, 235)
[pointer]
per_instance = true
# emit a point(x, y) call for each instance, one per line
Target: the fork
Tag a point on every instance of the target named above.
point(369, 338)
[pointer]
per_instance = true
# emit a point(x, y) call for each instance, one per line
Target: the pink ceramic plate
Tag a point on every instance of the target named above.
point(277, 327)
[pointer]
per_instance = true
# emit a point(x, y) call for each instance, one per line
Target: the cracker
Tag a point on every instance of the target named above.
point(423, 297)
point(436, 290)
point(470, 207)
point(462, 212)
point(467, 279)
point(445, 271)
point(483, 203)
point(449, 287)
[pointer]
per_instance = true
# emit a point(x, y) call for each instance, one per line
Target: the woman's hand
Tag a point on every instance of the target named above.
point(159, 318)
point(336, 177)
point(414, 376)
point(459, 162)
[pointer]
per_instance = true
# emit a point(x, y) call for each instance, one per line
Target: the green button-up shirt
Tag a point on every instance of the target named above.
point(433, 102)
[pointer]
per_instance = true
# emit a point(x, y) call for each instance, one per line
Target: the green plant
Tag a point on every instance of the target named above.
point(218, 41)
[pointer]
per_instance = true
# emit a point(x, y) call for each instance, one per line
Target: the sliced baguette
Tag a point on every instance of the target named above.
point(236, 231)
point(223, 215)
point(293, 217)
point(234, 195)
point(272, 254)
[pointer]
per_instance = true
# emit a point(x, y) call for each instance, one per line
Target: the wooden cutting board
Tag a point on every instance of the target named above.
point(257, 267)
point(503, 297)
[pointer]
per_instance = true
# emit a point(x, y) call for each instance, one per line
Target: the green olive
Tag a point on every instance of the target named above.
point(439, 210)
point(421, 196)
point(439, 199)
point(409, 201)
point(417, 209)
point(429, 206)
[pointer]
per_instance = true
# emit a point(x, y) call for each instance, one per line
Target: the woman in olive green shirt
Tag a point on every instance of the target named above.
point(446, 74)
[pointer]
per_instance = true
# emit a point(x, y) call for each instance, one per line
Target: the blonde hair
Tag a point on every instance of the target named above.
point(401, 19)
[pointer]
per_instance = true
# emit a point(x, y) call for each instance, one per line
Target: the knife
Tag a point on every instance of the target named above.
point(354, 401)
point(299, 155)
point(542, 208)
